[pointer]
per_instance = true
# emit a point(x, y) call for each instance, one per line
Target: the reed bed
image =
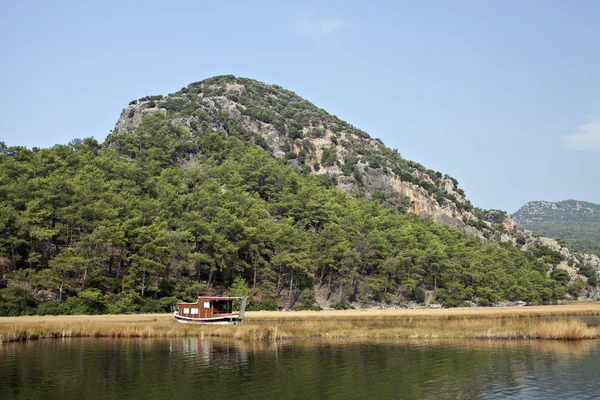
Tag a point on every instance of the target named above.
point(506, 324)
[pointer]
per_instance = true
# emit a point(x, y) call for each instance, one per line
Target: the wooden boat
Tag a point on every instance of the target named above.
point(211, 310)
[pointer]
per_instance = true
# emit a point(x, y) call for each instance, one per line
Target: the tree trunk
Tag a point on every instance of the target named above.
point(120, 266)
point(12, 249)
point(143, 284)
point(291, 288)
point(84, 277)
point(110, 261)
point(322, 276)
point(279, 287)
point(210, 276)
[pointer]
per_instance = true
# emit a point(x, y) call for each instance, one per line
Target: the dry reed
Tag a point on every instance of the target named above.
point(510, 323)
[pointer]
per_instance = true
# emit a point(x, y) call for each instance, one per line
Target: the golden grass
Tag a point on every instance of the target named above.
point(464, 323)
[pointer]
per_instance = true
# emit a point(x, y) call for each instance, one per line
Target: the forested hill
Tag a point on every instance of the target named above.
point(576, 222)
point(203, 197)
point(305, 136)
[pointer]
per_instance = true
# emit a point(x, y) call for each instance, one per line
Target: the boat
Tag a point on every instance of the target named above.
point(211, 310)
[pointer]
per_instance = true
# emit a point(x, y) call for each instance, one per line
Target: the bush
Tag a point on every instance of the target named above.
point(561, 276)
point(125, 303)
point(158, 305)
point(49, 308)
point(341, 305)
point(307, 308)
point(89, 301)
point(265, 304)
point(15, 301)
point(451, 303)
point(575, 288)
point(239, 288)
point(307, 298)
point(418, 294)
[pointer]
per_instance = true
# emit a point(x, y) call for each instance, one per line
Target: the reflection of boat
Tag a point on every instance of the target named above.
point(211, 310)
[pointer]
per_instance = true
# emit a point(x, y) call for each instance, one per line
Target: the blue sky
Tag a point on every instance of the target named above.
point(502, 95)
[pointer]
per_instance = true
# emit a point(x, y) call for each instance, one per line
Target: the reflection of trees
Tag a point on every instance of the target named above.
point(209, 368)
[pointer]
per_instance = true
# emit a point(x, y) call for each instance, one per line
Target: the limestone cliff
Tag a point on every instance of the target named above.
point(294, 129)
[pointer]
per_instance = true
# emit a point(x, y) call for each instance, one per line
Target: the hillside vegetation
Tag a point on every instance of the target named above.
point(169, 210)
point(576, 222)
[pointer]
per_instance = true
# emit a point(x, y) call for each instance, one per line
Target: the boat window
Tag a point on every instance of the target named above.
point(186, 310)
point(194, 311)
point(207, 304)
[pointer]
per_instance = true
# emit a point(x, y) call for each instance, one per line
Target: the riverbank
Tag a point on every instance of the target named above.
point(458, 323)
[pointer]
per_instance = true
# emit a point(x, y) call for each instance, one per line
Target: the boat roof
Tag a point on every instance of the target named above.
point(218, 298)
point(214, 298)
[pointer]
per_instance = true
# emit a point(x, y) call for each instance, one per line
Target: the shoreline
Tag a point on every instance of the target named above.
point(505, 323)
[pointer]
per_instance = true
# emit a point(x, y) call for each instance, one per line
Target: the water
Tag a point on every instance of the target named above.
point(209, 369)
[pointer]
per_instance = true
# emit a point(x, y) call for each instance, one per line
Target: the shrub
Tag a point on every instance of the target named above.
point(418, 294)
point(158, 305)
point(16, 301)
point(575, 288)
point(306, 308)
point(561, 276)
point(266, 304)
point(239, 288)
point(49, 308)
point(307, 297)
point(341, 305)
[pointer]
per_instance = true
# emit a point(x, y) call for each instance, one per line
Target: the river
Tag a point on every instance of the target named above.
point(186, 368)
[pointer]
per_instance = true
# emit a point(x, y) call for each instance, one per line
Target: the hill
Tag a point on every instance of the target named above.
point(234, 186)
point(305, 136)
point(576, 222)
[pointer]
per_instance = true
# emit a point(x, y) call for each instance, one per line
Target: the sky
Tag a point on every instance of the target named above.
point(502, 95)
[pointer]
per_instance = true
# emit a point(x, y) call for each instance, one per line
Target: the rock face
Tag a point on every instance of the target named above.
point(292, 128)
point(306, 136)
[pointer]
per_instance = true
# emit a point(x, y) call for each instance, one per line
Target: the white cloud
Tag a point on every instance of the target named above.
point(587, 138)
point(310, 24)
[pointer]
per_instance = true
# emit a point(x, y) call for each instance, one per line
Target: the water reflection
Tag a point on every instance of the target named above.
point(201, 368)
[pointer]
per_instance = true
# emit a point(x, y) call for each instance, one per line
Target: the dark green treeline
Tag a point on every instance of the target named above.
point(161, 215)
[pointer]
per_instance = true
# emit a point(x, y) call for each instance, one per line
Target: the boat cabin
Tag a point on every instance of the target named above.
point(211, 308)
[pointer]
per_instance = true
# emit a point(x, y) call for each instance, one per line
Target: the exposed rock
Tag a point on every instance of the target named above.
point(131, 117)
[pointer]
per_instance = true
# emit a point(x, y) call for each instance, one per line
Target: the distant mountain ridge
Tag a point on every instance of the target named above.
point(576, 222)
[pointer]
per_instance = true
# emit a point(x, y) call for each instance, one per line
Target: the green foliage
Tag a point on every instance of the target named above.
point(590, 273)
point(561, 276)
point(546, 254)
point(265, 304)
point(307, 298)
point(341, 305)
point(239, 288)
point(576, 288)
point(16, 301)
point(418, 294)
point(167, 213)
